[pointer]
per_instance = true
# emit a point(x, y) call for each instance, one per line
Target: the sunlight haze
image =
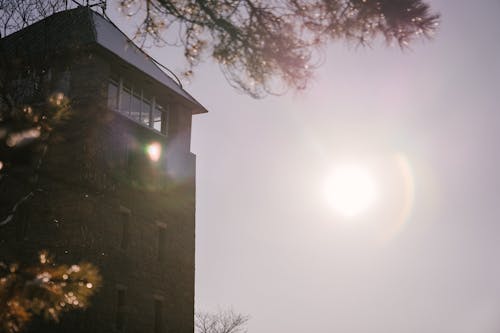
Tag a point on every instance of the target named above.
point(422, 257)
point(350, 189)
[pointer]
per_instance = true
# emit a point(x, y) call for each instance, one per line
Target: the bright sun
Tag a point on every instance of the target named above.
point(350, 190)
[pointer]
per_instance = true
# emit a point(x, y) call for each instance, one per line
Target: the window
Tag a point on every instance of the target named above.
point(157, 115)
point(137, 105)
point(145, 112)
point(120, 309)
point(126, 100)
point(113, 95)
point(162, 246)
point(125, 221)
point(63, 81)
point(158, 315)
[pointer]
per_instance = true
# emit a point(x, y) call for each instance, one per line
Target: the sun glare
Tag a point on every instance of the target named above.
point(350, 190)
point(154, 151)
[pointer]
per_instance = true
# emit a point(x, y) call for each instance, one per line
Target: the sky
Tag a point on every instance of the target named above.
point(423, 256)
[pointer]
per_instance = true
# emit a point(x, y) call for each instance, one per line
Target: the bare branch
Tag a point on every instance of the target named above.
point(222, 322)
point(262, 47)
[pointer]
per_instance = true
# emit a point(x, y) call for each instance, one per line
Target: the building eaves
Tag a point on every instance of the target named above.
point(79, 27)
point(115, 41)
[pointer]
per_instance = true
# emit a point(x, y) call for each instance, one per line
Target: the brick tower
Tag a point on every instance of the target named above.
point(116, 185)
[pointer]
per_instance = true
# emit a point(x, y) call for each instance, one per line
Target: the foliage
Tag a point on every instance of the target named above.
point(28, 116)
point(44, 289)
point(31, 107)
point(222, 322)
point(30, 110)
point(261, 46)
point(15, 15)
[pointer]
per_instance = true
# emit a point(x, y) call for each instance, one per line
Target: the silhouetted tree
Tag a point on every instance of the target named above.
point(261, 46)
point(15, 15)
point(267, 46)
point(44, 289)
point(222, 322)
point(30, 111)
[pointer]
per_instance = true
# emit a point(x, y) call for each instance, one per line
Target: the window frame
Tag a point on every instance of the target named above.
point(161, 242)
point(126, 216)
point(145, 100)
point(121, 308)
point(159, 324)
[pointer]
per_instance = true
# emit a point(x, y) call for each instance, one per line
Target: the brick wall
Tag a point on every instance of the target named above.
point(87, 191)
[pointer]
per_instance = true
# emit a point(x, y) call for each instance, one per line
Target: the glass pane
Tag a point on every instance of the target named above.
point(158, 316)
point(112, 96)
point(126, 100)
point(157, 118)
point(164, 122)
point(145, 112)
point(135, 111)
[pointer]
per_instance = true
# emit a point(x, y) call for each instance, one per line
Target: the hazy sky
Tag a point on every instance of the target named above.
point(425, 258)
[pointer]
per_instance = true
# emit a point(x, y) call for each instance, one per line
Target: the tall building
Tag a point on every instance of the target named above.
point(115, 183)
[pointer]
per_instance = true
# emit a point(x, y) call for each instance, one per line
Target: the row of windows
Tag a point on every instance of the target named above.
point(121, 313)
point(121, 310)
point(125, 235)
point(137, 105)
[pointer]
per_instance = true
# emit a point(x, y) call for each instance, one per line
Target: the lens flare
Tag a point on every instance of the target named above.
point(407, 195)
point(154, 151)
point(19, 137)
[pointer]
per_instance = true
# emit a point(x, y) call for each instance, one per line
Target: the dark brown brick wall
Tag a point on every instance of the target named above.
point(88, 187)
